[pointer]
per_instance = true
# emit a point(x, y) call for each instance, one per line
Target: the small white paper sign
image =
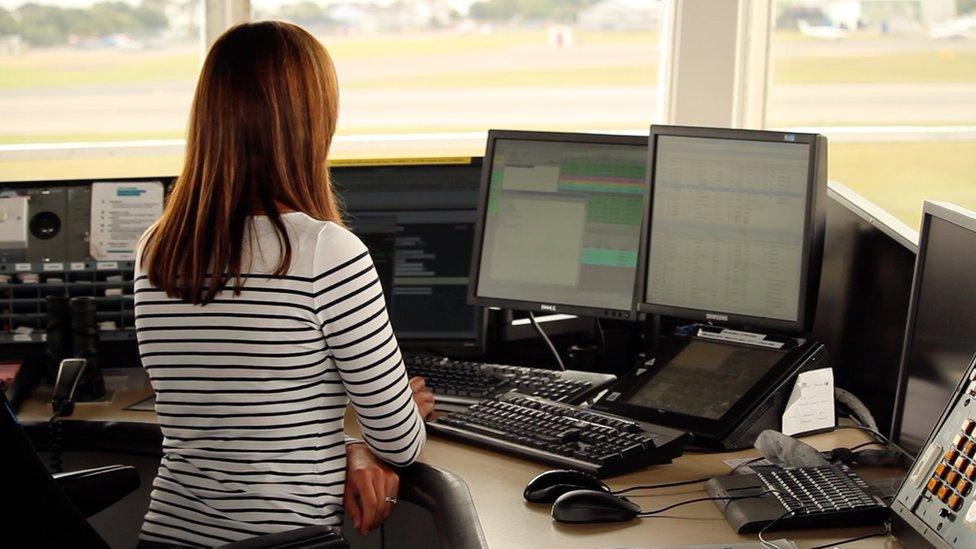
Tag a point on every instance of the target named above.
point(811, 404)
point(120, 213)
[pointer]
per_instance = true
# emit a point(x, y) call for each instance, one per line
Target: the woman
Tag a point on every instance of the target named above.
point(260, 316)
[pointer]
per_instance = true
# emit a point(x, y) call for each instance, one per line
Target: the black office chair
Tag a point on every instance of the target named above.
point(46, 510)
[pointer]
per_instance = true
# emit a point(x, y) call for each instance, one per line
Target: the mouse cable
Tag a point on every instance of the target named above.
point(865, 444)
point(770, 545)
point(766, 543)
point(55, 439)
point(884, 532)
point(682, 482)
point(879, 436)
point(715, 498)
point(602, 335)
point(545, 338)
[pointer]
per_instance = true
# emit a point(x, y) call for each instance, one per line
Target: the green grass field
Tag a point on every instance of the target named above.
point(461, 54)
point(899, 176)
point(878, 69)
point(896, 176)
point(43, 70)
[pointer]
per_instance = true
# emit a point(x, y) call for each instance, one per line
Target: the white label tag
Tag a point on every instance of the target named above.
point(21, 267)
point(736, 336)
point(101, 265)
point(77, 266)
point(49, 267)
point(811, 404)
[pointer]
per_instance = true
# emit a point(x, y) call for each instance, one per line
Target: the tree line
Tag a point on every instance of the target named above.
point(43, 25)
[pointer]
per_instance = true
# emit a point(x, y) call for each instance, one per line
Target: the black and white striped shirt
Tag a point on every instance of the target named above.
point(251, 390)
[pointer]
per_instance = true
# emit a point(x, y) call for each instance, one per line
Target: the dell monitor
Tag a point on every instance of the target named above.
point(735, 227)
point(940, 338)
point(559, 221)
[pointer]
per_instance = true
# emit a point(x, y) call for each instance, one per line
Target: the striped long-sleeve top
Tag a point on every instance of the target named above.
point(251, 389)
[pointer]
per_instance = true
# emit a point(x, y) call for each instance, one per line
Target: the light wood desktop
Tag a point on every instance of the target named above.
point(496, 482)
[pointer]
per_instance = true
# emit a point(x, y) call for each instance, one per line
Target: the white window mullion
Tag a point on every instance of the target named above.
point(220, 15)
point(716, 74)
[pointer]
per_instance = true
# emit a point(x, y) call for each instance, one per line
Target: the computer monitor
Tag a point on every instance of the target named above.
point(735, 226)
point(559, 220)
point(428, 210)
point(941, 335)
point(865, 286)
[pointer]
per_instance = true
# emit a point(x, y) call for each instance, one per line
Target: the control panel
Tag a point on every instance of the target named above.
point(936, 502)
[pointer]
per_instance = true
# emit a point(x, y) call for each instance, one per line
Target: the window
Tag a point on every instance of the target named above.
point(76, 71)
point(428, 78)
point(91, 88)
point(892, 83)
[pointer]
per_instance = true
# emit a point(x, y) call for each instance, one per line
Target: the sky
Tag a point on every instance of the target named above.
point(13, 4)
point(259, 4)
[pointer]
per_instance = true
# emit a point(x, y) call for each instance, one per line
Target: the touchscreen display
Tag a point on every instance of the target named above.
point(705, 379)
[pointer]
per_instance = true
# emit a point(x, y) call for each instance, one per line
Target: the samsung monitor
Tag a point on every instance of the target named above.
point(940, 338)
point(559, 221)
point(735, 224)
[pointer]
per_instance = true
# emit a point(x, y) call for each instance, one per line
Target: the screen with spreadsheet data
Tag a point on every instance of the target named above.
point(562, 222)
point(727, 226)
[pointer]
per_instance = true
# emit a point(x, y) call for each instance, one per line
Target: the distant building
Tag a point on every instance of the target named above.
point(11, 44)
point(374, 16)
point(621, 15)
point(851, 14)
point(185, 18)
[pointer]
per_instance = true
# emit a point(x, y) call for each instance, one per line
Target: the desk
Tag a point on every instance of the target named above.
point(496, 481)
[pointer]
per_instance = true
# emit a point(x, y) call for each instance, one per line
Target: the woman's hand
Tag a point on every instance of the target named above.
point(423, 397)
point(369, 482)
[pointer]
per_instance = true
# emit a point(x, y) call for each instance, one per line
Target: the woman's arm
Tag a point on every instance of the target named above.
point(352, 314)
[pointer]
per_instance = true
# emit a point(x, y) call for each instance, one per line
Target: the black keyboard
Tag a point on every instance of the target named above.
point(831, 496)
point(562, 435)
point(458, 383)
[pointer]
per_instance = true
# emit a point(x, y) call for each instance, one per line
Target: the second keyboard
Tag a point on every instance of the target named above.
point(458, 383)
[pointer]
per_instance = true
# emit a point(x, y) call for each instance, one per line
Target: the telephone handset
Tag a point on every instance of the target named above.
point(69, 376)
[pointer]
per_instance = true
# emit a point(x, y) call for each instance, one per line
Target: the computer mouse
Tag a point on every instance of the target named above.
point(592, 506)
point(548, 486)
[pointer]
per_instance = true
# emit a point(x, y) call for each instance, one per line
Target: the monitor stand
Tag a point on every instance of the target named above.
point(516, 326)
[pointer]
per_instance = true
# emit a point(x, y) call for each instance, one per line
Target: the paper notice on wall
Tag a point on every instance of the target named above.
point(120, 213)
point(811, 405)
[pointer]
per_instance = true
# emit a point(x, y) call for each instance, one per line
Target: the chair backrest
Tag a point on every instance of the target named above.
point(37, 512)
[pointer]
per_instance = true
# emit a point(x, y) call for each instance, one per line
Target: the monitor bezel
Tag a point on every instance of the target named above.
point(950, 213)
point(486, 167)
point(463, 345)
point(814, 228)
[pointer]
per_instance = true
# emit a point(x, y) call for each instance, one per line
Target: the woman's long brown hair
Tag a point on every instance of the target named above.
point(261, 125)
